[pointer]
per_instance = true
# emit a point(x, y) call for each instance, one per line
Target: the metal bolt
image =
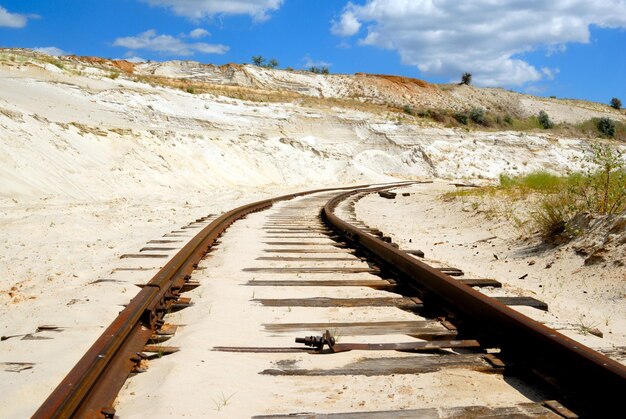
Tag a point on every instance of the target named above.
point(108, 412)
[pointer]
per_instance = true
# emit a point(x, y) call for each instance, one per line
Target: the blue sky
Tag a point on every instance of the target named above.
point(565, 48)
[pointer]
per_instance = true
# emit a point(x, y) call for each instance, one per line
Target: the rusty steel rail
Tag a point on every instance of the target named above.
point(591, 382)
point(91, 387)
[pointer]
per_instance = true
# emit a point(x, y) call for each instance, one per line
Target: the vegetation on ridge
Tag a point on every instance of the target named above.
point(259, 61)
point(466, 78)
point(616, 103)
point(484, 117)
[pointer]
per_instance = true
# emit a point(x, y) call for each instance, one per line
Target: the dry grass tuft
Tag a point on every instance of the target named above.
point(554, 201)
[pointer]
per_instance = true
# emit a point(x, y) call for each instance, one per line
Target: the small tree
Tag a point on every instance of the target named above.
point(466, 78)
point(272, 63)
point(258, 60)
point(616, 103)
point(324, 70)
point(544, 120)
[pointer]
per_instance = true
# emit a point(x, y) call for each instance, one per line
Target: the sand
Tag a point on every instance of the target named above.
point(231, 384)
point(93, 167)
point(457, 235)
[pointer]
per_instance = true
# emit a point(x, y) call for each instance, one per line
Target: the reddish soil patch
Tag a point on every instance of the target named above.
point(123, 65)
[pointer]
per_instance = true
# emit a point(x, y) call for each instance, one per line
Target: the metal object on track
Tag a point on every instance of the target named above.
point(326, 339)
point(318, 342)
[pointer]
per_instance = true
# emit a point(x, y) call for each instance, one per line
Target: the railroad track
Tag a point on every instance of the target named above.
point(302, 309)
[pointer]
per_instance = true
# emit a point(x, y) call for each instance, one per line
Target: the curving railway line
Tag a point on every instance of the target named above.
point(292, 307)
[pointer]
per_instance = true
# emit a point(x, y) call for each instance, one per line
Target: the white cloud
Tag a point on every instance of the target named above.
point(344, 45)
point(199, 33)
point(555, 49)
point(308, 62)
point(348, 24)
point(199, 9)
point(54, 51)
point(550, 73)
point(166, 44)
point(483, 37)
point(12, 20)
point(135, 59)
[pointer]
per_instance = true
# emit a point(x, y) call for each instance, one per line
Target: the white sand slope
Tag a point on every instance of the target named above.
point(93, 166)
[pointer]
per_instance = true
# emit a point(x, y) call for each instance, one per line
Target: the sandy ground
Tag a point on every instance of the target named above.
point(459, 236)
point(52, 252)
point(230, 384)
point(92, 167)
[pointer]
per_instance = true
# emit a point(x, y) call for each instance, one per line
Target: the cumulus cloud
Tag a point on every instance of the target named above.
point(199, 33)
point(347, 25)
point(199, 9)
point(483, 37)
point(166, 44)
point(12, 20)
point(54, 51)
point(309, 62)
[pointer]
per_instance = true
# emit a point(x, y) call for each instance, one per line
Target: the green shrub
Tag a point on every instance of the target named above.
point(507, 181)
point(190, 89)
point(507, 119)
point(606, 127)
point(601, 190)
point(544, 120)
point(551, 216)
point(461, 118)
point(466, 78)
point(319, 70)
point(407, 110)
point(590, 128)
point(542, 181)
point(597, 191)
point(477, 115)
point(538, 181)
